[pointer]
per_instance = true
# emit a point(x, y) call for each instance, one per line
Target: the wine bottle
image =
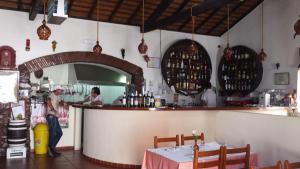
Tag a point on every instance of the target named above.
point(132, 100)
point(152, 101)
point(136, 99)
point(124, 100)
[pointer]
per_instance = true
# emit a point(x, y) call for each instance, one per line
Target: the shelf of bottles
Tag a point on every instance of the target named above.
point(188, 73)
point(241, 74)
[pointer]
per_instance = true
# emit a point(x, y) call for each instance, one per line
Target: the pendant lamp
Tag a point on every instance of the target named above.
point(297, 28)
point(262, 55)
point(228, 50)
point(44, 31)
point(192, 49)
point(97, 48)
point(143, 46)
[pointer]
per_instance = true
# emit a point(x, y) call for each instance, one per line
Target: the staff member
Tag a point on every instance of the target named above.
point(209, 97)
point(55, 133)
point(95, 97)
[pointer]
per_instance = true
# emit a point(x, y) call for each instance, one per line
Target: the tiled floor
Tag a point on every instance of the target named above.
point(68, 160)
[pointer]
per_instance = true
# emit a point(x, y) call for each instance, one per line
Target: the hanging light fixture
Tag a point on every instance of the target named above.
point(228, 50)
point(143, 46)
point(97, 48)
point(44, 31)
point(192, 49)
point(297, 28)
point(262, 55)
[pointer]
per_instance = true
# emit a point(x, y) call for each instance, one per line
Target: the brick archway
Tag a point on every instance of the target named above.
point(84, 57)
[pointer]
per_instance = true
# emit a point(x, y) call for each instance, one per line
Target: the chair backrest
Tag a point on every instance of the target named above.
point(288, 165)
point(243, 159)
point(277, 166)
point(166, 139)
point(185, 138)
point(218, 162)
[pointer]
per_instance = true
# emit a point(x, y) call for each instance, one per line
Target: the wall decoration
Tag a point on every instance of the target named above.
point(27, 48)
point(54, 43)
point(9, 84)
point(154, 62)
point(282, 78)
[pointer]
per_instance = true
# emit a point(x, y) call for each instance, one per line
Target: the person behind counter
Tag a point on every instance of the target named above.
point(95, 97)
point(209, 97)
point(55, 132)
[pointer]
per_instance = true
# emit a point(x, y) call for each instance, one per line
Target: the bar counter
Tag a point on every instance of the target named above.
point(120, 135)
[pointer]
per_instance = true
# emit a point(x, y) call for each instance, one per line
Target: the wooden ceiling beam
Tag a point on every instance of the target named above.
point(135, 12)
point(183, 24)
point(71, 2)
point(185, 14)
point(19, 4)
point(115, 10)
point(247, 12)
point(93, 8)
point(206, 19)
point(225, 17)
point(158, 11)
point(35, 9)
point(182, 5)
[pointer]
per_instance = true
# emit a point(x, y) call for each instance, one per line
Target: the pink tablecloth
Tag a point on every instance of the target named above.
point(153, 160)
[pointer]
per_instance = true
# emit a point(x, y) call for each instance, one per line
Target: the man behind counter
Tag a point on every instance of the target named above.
point(209, 96)
point(95, 97)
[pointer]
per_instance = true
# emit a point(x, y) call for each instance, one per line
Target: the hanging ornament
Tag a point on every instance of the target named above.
point(297, 28)
point(143, 46)
point(192, 49)
point(97, 49)
point(262, 55)
point(227, 51)
point(44, 31)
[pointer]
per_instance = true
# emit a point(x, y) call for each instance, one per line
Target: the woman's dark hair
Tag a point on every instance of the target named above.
point(96, 90)
point(208, 85)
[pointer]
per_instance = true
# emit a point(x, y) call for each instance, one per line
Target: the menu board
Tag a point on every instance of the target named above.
point(9, 85)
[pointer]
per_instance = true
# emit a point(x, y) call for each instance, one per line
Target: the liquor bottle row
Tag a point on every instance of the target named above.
point(186, 55)
point(183, 65)
point(238, 85)
point(186, 85)
point(138, 100)
point(191, 76)
point(245, 65)
point(238, 75)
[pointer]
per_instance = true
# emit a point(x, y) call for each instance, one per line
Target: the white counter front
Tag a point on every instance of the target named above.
point(121, 136)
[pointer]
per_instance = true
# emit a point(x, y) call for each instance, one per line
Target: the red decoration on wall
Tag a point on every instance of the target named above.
point(7, 58)
point(27, 48)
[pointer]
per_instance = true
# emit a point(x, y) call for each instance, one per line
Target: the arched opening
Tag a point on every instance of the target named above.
point(82, 57)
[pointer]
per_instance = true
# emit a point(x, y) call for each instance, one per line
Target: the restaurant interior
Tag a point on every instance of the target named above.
point(183, 84)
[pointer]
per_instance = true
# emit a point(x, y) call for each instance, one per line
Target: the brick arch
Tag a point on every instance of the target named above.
point(83, 57)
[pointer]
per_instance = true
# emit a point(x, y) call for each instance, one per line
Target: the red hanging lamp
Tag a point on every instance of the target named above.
point(44, 31)
point(262, 55)
point(97, 48)
point(143, 46)
point(227, 51)
point(297, 28)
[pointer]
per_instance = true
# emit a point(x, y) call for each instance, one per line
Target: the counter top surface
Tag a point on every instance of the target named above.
point(109, 107)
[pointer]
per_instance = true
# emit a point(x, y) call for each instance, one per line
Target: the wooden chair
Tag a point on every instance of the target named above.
point(288, 165)
point(207, 164)
point(186, 138)
point(168, 139)
point(244, 159)
point(277, 166)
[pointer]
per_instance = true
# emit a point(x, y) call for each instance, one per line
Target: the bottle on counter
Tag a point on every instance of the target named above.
point(141, 101)
point(136, 99)
point(152, 101)
point(124, 102)
point(148, 100)
point(132, 100)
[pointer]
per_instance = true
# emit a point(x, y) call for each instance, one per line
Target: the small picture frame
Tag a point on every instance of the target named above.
point(282, 78)
point(154, 62)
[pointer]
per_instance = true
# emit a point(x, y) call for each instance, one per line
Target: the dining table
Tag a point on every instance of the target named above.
point(181, 157)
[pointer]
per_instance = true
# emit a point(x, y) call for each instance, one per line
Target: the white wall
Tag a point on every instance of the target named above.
point(80, 35)
point(279, 19)
point(272, 137)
